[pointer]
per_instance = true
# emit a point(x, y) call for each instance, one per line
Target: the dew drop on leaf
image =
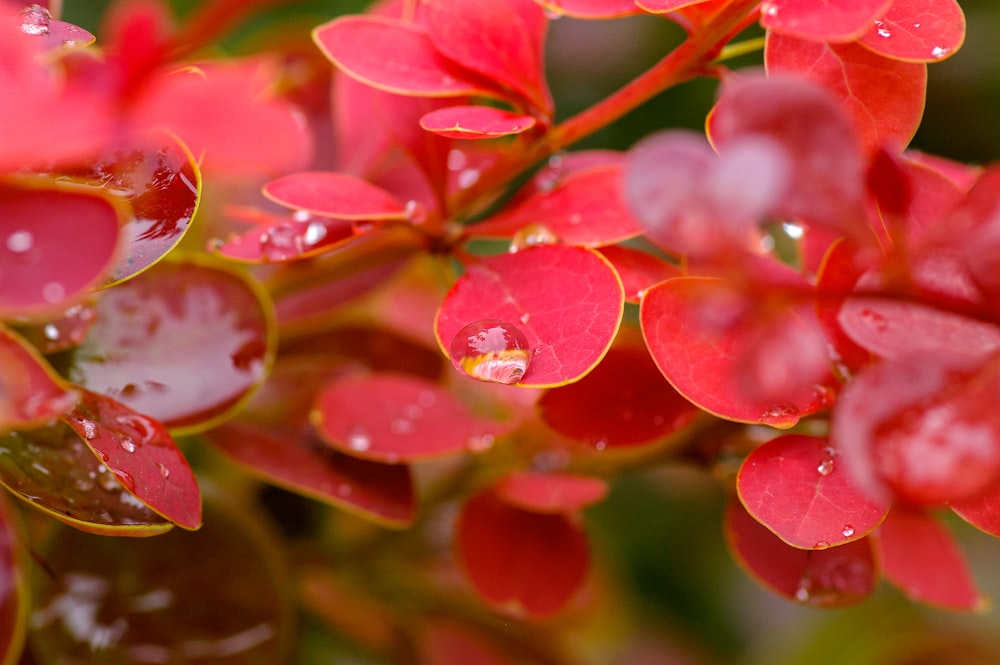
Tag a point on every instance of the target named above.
point(491, 350)
point(35, 20)
point(848, 531)
point(531, 235)
point(127, 444)
point(825, 467)
point(164, 471)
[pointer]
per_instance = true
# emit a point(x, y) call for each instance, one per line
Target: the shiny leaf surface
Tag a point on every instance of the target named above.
point(917, 30)
point(821, 22)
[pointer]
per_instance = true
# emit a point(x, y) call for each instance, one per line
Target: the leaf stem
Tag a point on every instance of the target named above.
point(731, 51)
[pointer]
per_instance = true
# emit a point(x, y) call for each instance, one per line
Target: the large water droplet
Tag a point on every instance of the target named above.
point(491, 350)
point(35, 20)
point(531, 235)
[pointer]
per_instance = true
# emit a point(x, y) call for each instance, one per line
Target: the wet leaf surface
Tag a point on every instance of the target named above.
point(827, 21)
point(567, 301)
point(184, 344)
point(218, 595)
point(917, 30)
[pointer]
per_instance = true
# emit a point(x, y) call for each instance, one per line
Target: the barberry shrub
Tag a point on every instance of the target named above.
point(349, 307)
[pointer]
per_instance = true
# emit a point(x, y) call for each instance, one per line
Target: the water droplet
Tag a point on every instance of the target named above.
point(480, 443)
point(524, 318)
point(89, 429)
point(825, 467)
point(164, 470)
point(782, 412)
point(281, 242)
point(491, 350)
point(126, 480)
point(821, 545)
point(848, 531)
point(20, 241)
point(467, 178)
point(140, 426)
point(51, 332)
point(769, 9)
point(35, 20)
point(359, 439)
point(127, 444)
point(531, 235)
point(415, 213)
point(881, 29)
point(939, 52)
point(314, 234)
point(600, 444)
point(825, 395)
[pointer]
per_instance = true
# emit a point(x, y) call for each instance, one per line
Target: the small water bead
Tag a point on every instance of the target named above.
point(531, 235)
point(35, 20)
point(491, 350)
point(128, 445)
point(164, 470)
point(825, 467)
point(848, 531)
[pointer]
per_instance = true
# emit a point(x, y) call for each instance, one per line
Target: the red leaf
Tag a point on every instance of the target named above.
point(518, 560)
point(923, 429)
point(31, 393)
point(335, 195)
point(567, 302)
point(397, 418)
point(141, 455)
point(380, 492)
point(395, 56)
point(638, 269)
point(833, 577)
point(793, 486)
point(920, 557)
point(824, 21)
point(806, 121)
point(884, 97)
point(550, 493)
point(37, 22)
point(702, 339)
point(475, 122)
point(586, 207)
point(917, 30)
point(624, 402)
point(981, 511)
point(503, 40)
point(591, 9)
point(241, 107)
point(184, 343)
point(48, 260)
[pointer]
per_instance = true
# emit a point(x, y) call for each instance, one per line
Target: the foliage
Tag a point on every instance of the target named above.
point(390, 288)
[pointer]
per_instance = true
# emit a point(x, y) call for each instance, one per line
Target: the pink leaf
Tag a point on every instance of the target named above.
point(824, 21)
point(335, 195)
point(475, 122)
point(917, 30)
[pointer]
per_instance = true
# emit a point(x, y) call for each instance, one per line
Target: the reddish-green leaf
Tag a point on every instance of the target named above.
point(793, 485)
point(184, 343)
point(567, 302)
point(57, 241)
point(923, 429)
point(475, 122)
point(824, 21)
point(919, 556)
point(591, 9)
point(552, 493)
point(397, 418)
point(521, 561)
point(710, 346)
point(142, 456)
point(14, 594)
point(218, 595)
point(638, 269)
point(52, 469)
point(335, 195)
point(625, 401)
point(833, 577)
point(585, 207)
point(31, 393)
point(383, 493)
point(395, 56)
point(917, 30)
point(884, 97)
point(502, 40)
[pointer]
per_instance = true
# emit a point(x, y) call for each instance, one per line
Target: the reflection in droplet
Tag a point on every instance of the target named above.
point(491, 350)
point(164, 470)
point(848, 531)
point(35, 20)
point(20, 241)
point(531, 235)
point(825, 467)
point(781, 411)
point(140, 425)
point(127, 444)
point(939, 52)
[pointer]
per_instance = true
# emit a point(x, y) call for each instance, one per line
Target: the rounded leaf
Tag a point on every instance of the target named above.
point(566, 301)
point(793, 485)
point(184, 343)
point(335, 195)
point(475, 122)
point(917, 30)
point(821, 22)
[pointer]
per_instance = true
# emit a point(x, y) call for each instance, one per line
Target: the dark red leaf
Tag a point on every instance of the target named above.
point(475, 122)
point(397, 418)
point(185, 343)
point(142, 456)
point(920, 557)
point(31, 393)
point(586, 207)
point(793, 485)
point(923, 429)
point(395, 56)
point(48, 261)
point(383, 493)
point(624, 402)
point(521, 561)
point(566, 301)
point(550, 493)
point(821, 22)
point(917, 30)
point(884, 97)
point(833, 577)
